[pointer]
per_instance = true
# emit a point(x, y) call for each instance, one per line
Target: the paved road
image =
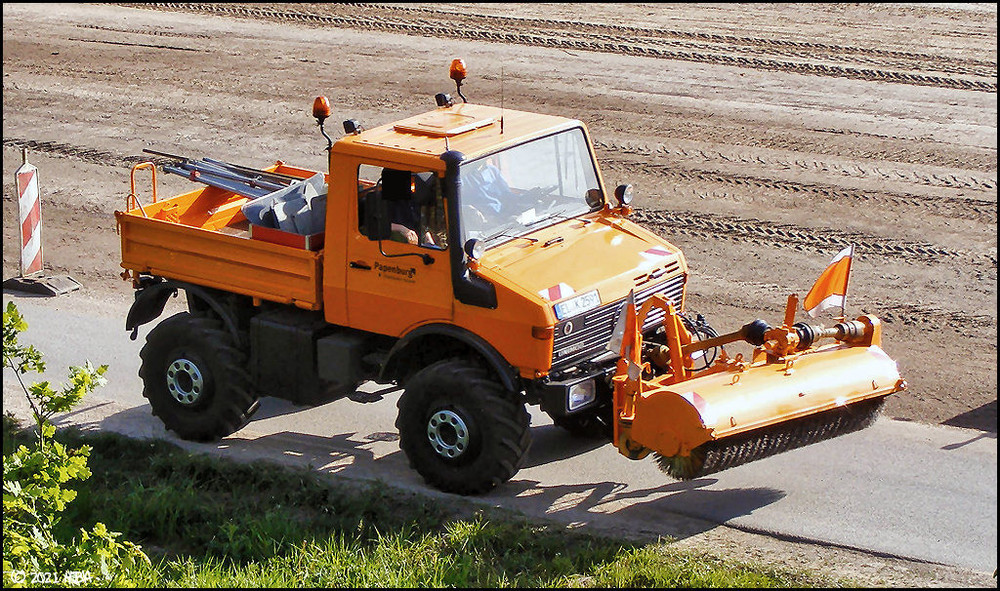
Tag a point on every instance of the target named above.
point(919, 492)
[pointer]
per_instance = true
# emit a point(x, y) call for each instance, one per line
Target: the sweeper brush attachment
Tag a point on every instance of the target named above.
point(716, 456)
point(792, 393)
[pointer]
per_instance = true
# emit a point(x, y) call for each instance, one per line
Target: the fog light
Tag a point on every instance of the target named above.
point(581, 394)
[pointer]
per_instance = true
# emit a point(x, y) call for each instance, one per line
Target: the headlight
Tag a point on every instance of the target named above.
point(624, 194)
point(578, 305)
point(581, 394)
point(474, 249)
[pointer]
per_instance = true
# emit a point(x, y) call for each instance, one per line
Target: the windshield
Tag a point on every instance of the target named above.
point(527, 187)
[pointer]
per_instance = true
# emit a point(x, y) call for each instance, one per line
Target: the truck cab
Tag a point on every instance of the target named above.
point(516, 246)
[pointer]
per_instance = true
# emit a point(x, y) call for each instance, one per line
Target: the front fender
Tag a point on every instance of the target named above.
point(415, 345)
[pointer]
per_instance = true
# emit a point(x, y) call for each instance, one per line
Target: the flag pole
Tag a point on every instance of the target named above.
point(847, 282)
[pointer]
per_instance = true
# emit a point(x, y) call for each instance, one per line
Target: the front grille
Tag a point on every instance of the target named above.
point(591, 331)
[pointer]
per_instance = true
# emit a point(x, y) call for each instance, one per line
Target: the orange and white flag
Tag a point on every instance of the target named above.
point(830, 290)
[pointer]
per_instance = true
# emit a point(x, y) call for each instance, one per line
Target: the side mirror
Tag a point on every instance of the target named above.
point(378, 226)
point(443, 100)
point(352, 127)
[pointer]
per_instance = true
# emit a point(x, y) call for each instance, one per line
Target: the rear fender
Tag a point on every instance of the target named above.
point(150, 301)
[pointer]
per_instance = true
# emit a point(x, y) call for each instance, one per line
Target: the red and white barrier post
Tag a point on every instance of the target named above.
point(29, 209)
point(30, 217)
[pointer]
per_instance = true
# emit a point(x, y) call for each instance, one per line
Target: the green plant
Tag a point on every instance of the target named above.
point(35, 480)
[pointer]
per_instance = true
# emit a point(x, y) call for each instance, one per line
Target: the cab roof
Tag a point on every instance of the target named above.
point(471, 129)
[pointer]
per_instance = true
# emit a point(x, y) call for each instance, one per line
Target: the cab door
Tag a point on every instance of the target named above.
point(397, 283)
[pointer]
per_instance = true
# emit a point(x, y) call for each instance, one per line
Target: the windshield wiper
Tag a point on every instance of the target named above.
point(504, 232)
point(548, 217)
point(501, 232)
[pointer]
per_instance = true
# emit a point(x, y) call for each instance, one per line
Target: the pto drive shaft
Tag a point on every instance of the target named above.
point(759, 332)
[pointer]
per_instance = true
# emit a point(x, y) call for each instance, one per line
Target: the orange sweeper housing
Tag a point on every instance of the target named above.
point(471, 256)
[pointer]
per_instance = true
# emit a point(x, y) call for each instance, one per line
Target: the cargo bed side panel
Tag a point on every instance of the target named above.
point(240, 265)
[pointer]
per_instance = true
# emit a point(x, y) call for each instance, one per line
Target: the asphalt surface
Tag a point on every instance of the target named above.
point(919, 492)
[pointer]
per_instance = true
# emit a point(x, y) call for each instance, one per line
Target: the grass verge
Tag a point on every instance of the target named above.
point(206, 522)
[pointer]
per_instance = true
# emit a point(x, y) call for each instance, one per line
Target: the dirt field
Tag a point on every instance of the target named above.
point(762, 139)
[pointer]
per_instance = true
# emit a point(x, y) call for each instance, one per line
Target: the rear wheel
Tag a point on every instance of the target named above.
point(195, 378)
point(462, 431)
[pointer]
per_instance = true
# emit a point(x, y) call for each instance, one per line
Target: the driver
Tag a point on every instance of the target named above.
point(486, 191)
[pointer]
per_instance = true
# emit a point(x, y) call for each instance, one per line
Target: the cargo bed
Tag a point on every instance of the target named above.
point(203, 238)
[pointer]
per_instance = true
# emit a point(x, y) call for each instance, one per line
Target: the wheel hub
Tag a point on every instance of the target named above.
point(448, 434)
point(185, 381)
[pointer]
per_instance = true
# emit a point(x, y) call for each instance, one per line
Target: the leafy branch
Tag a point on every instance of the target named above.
point(34, 479)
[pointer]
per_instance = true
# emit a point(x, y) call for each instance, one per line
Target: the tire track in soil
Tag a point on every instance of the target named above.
point(90, 155)
point(984, 211)
point(928, 317)
point(868, 146)
point(587, 43)
point(152, 32)
point(855, 171)
point(783, 47)
point(132, 44)
point(701, 225)
point(924, 318)
point(982, 160)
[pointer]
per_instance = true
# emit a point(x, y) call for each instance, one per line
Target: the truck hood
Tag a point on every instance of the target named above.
point(609, 254)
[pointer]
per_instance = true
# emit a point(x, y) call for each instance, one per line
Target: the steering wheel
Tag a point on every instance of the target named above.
point(535, 194)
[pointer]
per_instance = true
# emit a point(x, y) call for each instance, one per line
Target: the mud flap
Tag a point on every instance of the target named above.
point(148, 305)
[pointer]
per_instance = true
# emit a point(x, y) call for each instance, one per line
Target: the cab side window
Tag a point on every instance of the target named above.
point(414, 203)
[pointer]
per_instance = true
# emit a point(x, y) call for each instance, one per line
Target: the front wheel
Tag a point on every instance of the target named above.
point(195, 378)
point(461, 430)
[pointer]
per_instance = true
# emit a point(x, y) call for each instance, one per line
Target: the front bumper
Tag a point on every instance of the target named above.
point(571, 395)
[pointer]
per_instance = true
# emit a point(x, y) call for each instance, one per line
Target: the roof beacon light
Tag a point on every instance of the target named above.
point(458, 73)
point(321, 110)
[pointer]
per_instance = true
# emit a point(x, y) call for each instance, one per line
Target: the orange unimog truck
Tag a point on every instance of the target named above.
point(473, 257)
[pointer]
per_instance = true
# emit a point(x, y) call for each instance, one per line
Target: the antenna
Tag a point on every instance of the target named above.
point(501, 100)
